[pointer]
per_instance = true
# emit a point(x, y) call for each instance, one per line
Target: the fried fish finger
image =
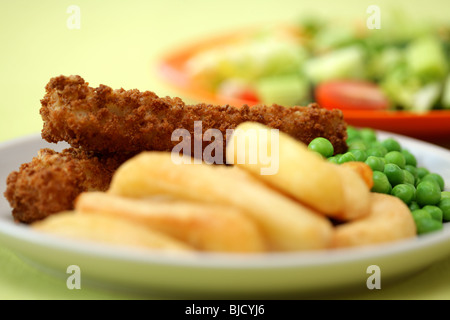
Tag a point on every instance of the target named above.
point(52, 180)
point(104, 120)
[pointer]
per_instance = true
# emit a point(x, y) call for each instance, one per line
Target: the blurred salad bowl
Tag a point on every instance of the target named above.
point(396, 81)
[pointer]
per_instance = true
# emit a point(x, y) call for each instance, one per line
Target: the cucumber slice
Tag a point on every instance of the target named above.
point(287, 90)
point(426, 97)
point(426, 58)
point(446, 94)
point(345, 63)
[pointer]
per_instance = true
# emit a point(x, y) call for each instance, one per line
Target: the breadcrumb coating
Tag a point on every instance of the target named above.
point(52, 180)
point(104, 120)
point(105, 127)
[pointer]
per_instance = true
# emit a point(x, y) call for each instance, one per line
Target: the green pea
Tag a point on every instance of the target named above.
point(412, 170)
point(375, 163)
point(436, 177)
point(360, 155)
point(428, 192)
point(357, 145)
point(425, 225)
point(394, 173)
point(444, 205)
point(396, 157)
point(409, 158)
point(368, 135)
point(322, 146)
point(422, 172)
point(435, 212)
point(409, 178)
point(405, 192)
point(376, 144)
point(379, 151)
point(413, 206)
point(352, 134)
point(346, 157)
point(420, 214)
point(391, 144)
point(445, 195)
point(333, 159)
point(380, 183)
point(416, 183)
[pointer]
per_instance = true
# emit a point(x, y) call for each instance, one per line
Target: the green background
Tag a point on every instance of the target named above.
point(119, 44)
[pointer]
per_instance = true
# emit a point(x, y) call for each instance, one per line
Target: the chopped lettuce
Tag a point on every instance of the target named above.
point(250, 61)
point(343, 63)
point(410, 63)
point(288, 90)
point(426, 97)
point(446, 94)
point(426, 58)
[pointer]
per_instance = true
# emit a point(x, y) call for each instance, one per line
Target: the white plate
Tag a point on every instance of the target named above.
point(216, 275)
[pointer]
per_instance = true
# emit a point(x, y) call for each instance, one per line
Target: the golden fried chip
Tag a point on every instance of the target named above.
point(207, 227)
point(389, 220)
point(286, 224)
point(363, 170)
point(357, 200)
point(108, 230)
point(301, 173)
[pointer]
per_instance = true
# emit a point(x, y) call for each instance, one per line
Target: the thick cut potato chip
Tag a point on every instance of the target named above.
point(363, 170)
point(286, 224)
point(356, 195)
point(301, 173)
point(207, 227)
point(389, 220)
point(108, 230)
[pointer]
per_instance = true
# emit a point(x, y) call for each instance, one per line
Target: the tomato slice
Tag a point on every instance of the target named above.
point(236, 89)
point(249, 95)
point(350, 94)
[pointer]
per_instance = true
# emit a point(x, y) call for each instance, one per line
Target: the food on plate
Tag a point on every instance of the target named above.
point(428, 219)
point(107, 127)
point(292, 179)
point(395, 171)
point(356, 194)
point(389, 219)
point(363, 169)
point(108, 230)
point(302, 174)
point(344, 66)
point(52, 180)
point(351, 94)
point(322, 146)
point(287, 224)
point(217, 208)
point(205, 227)
point(104, 120)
